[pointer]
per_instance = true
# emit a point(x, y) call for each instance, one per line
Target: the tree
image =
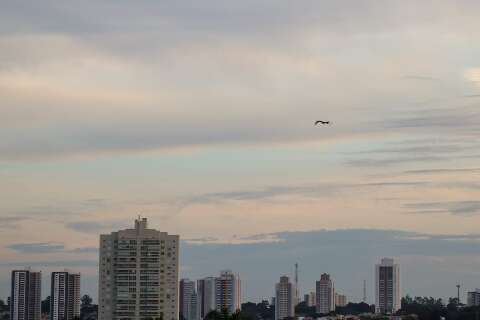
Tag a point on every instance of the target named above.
point(45, 305)
point(86, 300)
point(3, 306)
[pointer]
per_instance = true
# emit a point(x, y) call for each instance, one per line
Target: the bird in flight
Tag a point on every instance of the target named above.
point(321, 122)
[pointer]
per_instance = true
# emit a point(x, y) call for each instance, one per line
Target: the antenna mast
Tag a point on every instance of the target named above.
point(365, 291)
point(297, 299)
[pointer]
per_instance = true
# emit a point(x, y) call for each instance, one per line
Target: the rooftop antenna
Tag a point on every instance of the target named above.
point(296, 284)
point(365, 291)
point(458, 294)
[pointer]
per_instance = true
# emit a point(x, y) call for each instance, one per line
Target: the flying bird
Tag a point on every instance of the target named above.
point(321, 122)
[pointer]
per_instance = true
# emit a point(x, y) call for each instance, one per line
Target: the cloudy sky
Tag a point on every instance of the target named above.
point(199, 116)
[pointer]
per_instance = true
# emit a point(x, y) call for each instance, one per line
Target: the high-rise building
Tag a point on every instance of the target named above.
point(138, 274)
point(325, 295)
point(65, 296)
point(312, 299)
point(228, 292)
point(206, 296)
point(473, 298)
point(193, 313)
point(188, 300)
point(387, 287)
point(340, 300)
point(25, 295)
point(285, 296)
point(309, 299)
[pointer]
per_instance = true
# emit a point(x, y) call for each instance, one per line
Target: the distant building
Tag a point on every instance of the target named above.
point(309, 299)
point(313, 299)
point(285, 299)
point(25, 295)
point(387, 287)
point(473, 298)
point(65, 296)
point(340, 300)
point(325, 295)
point(188, 300)
point(138, 274)
point(206, 296)
point(228, 292)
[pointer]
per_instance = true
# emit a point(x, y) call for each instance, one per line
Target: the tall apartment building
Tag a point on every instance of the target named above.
point(284, 299)
point(228, 292)
point(65, 296)
point(138, 274)
point(206, 296)
point(325, 295)
point(188, 300)
point(25, 295)
point(387, 287)
point(473, 298)
point(340, 300)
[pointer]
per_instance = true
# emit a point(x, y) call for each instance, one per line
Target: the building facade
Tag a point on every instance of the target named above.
point(284, 299)
point(325, 295)
point(25, 295)
point(309, 299)
point(65, 296)
point(387, 287)
point(138, 274)
point(188, 300)
point(473, 298)
point(340, 300)
point(228, 292)
point(206, 296)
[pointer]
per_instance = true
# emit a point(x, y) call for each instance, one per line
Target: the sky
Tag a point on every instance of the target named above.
point(199, 116)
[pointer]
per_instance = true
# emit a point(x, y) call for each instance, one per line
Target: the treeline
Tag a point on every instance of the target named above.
point(429, 308)
point(88, 310)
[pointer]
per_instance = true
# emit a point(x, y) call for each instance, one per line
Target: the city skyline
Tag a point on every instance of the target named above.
point(201, 118)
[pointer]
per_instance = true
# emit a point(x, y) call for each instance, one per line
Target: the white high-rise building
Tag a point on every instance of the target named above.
point(325, 295)
point(25, 295)
point(228, 293)
point(188, 300)
point(387, 287)
point(65, 296)
point(138, 274)
point(473, 298)
point(284, 299)
point(206, 296)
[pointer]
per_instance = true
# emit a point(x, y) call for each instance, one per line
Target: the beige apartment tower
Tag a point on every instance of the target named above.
point(138, 274)
point(284, 299)
point(325, 295)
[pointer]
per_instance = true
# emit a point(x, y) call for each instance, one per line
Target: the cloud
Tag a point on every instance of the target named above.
point(473, 74)
point(46, 248)
point(150, 60)
point(442, 171)
point(95, 227)
point(52, 263)
point(456, 208)
point(85, 250)
point(420, 77)
point(271, 193)
point(28, 248)
point(60, 208)
point(11, 222)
